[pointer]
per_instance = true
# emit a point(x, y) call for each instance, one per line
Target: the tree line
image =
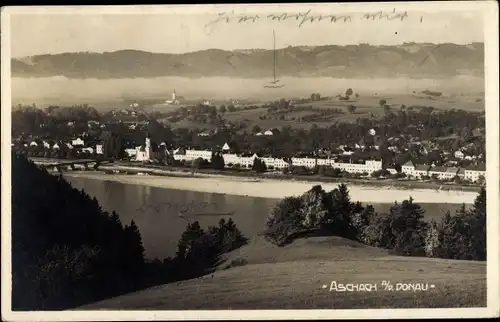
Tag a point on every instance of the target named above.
point(402, 230)
point(67, 251)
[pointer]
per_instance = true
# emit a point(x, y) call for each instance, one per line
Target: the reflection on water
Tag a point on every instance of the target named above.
point(156, 210)
point(160, 223)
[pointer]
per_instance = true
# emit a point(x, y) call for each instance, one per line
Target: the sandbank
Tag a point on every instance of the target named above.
point(277, 189)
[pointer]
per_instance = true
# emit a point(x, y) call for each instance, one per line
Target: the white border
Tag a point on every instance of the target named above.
point(490, 9)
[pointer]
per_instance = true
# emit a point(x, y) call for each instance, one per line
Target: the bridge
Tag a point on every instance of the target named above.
point(70, 164)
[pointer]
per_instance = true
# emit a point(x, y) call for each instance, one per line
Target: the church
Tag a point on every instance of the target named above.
point(148, 151)
point(175, 99)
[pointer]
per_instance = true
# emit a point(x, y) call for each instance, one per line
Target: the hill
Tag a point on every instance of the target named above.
point(66, 251)
point(293, 277)
point(411, 59)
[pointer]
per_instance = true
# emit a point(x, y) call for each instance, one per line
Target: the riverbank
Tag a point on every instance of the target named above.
point(278, 175)
point(162, 170)
point(272, 188)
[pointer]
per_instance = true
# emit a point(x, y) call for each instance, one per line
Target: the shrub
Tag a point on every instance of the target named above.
point(199, 251)
point(378, 233)
point(462, 236)
point(360, 222)
point(317, 212)
point(410, 242)
point(284, 220)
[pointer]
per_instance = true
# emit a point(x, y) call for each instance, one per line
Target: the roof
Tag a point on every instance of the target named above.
point(452, 170)
point(408, 163)
point(422, 167)
point(479, 167)
point(438, 169)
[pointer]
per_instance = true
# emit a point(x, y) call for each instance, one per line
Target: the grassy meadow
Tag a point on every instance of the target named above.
point(292, 277)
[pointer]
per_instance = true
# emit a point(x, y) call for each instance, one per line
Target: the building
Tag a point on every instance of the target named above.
point(226, 147)
point(77, 142)
point(231, 158)
point(305, 162)
point(421, 170)
point(174, 100)
point(179, 154)
point(325, 162)
point(443, 173)
point(247, 160)
point(392, 170)
point(414, 170)
point(270, 132)
point(408, 168)
point(88, 150)
point(145, 152)
point(131, 152)
point(194, 154)
point(369, 166)
point(474, 173)
point(459, 154)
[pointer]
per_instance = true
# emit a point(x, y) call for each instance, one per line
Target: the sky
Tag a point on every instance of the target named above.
point(181, 29)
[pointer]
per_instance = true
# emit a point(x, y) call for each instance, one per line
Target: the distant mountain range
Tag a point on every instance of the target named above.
point(409, 59)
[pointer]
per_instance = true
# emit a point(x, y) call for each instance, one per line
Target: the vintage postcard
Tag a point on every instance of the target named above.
point(285, 161)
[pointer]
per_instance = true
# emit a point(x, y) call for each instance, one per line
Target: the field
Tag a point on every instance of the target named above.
point(366, 107)
point(293, 277)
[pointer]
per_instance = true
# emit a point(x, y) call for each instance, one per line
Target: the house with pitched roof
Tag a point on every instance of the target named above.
point(473, 173)
point(408, 168)
point(179, 154)
point(246, 160)
point(421, 170)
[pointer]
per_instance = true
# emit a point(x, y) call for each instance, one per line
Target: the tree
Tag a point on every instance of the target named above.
point(315, 97)
point(197, 164)
point(199, 251)
point(222, 109)
point(134, 255)
point(408, 228)
point(382, 103)
point(113, 146)
point(284, 221)
point(259, 166)
point(341, 211)
point(349, 92)
point(351, 109)
point(67, 251)
point(217, 161)
point(256, 129)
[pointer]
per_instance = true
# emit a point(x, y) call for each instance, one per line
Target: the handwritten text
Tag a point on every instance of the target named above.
point(303, 17)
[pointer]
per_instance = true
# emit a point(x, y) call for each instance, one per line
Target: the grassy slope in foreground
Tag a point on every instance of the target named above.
point(292, 277)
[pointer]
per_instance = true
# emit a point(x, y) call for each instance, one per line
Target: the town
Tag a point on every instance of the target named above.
point(137, 137)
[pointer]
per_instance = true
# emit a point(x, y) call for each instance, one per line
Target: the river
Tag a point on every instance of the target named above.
point(156, 210)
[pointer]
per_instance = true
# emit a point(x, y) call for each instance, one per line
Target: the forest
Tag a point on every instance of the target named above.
point(67, 251)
